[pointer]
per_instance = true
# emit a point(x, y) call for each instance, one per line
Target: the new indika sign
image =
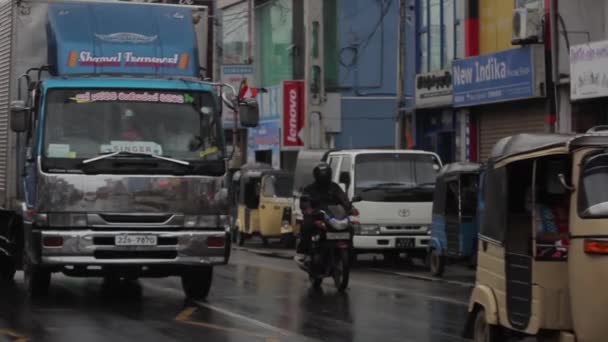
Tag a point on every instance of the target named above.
point(293, 113)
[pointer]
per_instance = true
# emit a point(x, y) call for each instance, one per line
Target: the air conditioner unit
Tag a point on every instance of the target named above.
point(527, 26)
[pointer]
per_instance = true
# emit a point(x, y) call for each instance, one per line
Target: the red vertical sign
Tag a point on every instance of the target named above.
point(293, 114)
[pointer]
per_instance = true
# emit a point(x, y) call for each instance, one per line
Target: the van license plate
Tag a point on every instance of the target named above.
point(338, 236)
point(406, 243)
point(136, 240)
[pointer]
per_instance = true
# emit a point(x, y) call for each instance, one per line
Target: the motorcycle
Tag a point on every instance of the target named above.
point(331, 248)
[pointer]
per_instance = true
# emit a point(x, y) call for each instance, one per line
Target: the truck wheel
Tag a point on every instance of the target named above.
point(196, 282)
point(7, 269)
point(436, 263)
point(484, 332)
point(36, 279)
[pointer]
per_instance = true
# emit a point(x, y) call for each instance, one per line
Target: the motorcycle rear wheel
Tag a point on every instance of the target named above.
point(341, 272)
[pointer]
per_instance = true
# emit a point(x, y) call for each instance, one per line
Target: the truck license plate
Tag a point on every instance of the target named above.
point(406, 243)
point(136, 240)
point(338, 236)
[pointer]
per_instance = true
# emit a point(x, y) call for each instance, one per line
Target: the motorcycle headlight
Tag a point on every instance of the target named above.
point(368, 229)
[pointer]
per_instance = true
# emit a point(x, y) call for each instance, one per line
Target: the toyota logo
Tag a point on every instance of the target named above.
point(404, 212)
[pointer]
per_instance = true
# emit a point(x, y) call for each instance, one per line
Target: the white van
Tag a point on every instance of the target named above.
point(393, 191)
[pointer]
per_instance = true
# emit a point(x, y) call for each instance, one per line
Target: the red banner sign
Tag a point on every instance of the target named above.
point(293, 114)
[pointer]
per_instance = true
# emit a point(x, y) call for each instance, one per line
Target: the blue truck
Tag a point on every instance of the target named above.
point(112, 154)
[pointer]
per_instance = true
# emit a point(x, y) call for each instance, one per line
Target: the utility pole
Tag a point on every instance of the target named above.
point(399, 117)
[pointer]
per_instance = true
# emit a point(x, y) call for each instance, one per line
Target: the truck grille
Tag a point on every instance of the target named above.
point(121, 218)
point(402, 227)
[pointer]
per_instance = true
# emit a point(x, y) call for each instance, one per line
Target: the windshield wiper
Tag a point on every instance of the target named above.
point(126, 153)
point(383, 185)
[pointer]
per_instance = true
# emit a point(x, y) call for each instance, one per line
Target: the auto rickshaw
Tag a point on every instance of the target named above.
point(542, 266)
point(265, 204)
point(454, 228)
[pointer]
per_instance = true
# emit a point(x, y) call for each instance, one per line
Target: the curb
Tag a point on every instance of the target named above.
point(425, 278)
point(271, 254)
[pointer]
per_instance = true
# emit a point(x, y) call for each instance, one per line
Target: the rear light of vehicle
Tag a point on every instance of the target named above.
point(596, 246)
point(342, 244)
point(216, 241)
point(320, 224)
point(52, 241)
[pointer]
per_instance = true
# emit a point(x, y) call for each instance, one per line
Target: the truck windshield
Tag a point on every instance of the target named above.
point(395, 176)
point(82, 124)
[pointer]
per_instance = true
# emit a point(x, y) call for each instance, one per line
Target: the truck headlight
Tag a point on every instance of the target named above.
point(202, 221)
point(368, 229)
point(67, 220)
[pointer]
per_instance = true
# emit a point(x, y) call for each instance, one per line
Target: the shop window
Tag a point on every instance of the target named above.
point(236, 40)
point(274, 47)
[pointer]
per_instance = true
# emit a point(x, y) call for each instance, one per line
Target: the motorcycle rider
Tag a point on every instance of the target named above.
point(318, 196)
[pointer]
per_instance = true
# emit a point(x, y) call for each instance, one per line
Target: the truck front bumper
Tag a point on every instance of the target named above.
point(387, 243)
point(88, 247)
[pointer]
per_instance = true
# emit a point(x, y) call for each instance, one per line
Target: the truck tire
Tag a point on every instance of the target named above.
point(37, 280)
point(196, 282)
point(7, 269)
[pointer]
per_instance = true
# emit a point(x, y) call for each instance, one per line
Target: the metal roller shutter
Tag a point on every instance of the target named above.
point(499, 121)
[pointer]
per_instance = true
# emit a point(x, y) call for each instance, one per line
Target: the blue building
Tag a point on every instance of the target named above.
point(367, 75)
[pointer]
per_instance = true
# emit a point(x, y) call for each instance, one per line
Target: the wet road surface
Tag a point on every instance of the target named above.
point(255, 298)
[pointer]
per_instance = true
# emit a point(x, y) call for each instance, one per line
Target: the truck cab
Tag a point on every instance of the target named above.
point(393, 191)
point(120, 158)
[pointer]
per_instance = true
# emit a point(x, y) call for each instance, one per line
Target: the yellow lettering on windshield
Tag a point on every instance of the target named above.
point(208, 151)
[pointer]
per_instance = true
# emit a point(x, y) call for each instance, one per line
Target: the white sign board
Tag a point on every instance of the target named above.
point(434, 89)
point(234, 75)
point(589, 70)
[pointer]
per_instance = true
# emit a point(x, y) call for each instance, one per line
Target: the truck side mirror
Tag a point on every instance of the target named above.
point(249, 113)
point(20, 117)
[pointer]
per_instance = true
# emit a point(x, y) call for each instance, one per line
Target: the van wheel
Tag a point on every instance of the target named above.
point(484, 332)
point(436, 263)
point(196, 282)
point(37, 280)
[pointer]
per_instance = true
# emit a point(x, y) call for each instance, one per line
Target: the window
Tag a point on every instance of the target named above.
point(449, 28)
point(440, 33)
point(435, 45)
point(274, 47)
point(330, 28)
point(346, 164)
point(236, 40)
point(593, 194)
point(278, 186)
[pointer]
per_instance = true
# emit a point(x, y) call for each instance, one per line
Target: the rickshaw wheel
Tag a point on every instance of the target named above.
point(484, 332)
point(436, 263)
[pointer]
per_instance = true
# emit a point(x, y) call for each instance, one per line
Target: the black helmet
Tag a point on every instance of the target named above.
point(322, 174)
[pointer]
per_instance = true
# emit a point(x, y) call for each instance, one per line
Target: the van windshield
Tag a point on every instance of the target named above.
point(395, 176)
point(593, 195)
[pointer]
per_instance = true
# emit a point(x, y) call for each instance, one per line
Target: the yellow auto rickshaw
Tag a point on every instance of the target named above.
point(542, 266)
point(265, 204)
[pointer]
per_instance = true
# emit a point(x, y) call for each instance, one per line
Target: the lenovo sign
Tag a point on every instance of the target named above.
point(293, 114)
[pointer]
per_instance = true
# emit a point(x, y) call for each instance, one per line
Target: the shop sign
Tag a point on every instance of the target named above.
point(293, 114)
point(503, 76)
point(434, 89)
point(234, 75)
point(265, 137)
point(589, 70)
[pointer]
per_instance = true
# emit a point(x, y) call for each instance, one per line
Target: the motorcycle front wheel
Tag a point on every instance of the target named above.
point(341, 270)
